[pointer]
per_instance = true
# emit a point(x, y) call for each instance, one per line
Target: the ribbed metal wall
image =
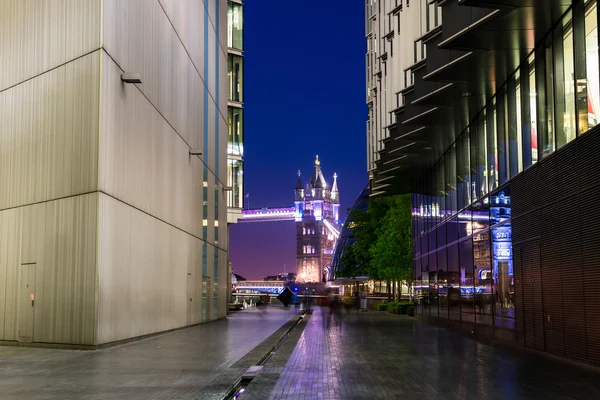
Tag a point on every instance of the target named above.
point(556, 244)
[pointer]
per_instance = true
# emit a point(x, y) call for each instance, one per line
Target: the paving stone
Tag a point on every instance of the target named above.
point(377, 355)
point(177, 365)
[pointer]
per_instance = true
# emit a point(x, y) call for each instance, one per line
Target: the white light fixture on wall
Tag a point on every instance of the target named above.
point(131, 77)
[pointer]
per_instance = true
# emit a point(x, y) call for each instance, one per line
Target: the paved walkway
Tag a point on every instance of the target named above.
point(176, 365)
point(376, 355)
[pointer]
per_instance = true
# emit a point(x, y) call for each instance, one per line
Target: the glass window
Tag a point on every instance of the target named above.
point(588, 90)
point(451, 182)
point(463, 177)
point(467, 290)
point(480, 214)
point(415, 288)
point(440, 190)
point(235, 142)
point(529, 102)
point(492, 150)
point(453, 278)
point(515, 132)
point(502, 260)
point(235, 26)
point(452, 230)
point(235, 180)
point(432, 240)
point(441, 235)
point(546, 116)
point(482, 277)
point(445, 166)
point(475, 183)
point(502, 136)
point(482, 160)
point(435, 201)
point(421, 284)
point(433, 285)
point(564, 67)
point(236, 78)
point(442, 283)
point(464, 223)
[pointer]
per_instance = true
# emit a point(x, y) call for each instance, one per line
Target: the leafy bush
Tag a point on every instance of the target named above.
point(399, 307)
point(380, 307)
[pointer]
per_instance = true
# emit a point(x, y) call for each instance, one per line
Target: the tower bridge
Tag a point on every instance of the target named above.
point(316, 214)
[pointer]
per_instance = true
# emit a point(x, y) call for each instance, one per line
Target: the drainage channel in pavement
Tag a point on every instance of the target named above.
point(254, 370)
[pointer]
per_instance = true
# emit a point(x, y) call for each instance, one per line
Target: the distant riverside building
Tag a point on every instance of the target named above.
point(113, 174)
point(491, 121)
point(317, 207)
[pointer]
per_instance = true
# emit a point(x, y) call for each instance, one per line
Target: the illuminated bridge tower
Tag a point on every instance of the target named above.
point(317, 225)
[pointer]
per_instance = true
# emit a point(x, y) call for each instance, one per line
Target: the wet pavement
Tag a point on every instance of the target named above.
point(176, 365)
point(351, 355)
point(377, 355)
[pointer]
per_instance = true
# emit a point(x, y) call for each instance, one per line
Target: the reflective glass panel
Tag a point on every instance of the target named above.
point(453, 277)
point(588, 90)
point(482, 277)
point(442, 283)
point(235, 26)
point(235, 74)
point(532, 137)
point(515, 130)
point(433, 284)
point(467, 288)
point(235, 142)
point(565, 86)
point(463, 167)
point(547, 116)
point(492, 151)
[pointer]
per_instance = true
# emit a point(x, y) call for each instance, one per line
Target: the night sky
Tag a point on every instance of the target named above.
point(304, 94)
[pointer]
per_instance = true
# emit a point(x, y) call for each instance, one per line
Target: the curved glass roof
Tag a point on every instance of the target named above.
point(346, 238)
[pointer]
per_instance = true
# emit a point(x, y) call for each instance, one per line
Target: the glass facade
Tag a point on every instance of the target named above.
point(346, 239)
point(236, 74)
point(463, 266)
point(235, 26)
point(235, 179)
point(235, 140)
point(235, 112)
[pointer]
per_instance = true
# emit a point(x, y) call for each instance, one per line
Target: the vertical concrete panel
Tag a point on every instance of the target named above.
point(59, 238)
point(37, 36)
point(138, 35)
point(143, 162)
point(143, 273)
point(49, 134)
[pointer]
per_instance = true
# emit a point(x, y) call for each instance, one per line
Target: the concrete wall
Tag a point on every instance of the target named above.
point(152, 219)
point(102, 209)
point(49, 116)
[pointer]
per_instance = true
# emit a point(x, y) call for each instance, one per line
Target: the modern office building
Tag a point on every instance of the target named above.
point(235, 109)
point(113, 134)
point(495, 134)
point(235, 115)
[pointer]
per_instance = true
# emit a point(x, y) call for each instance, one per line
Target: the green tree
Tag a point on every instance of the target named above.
point(391, 253)
point(356, 260)
point(383, 247)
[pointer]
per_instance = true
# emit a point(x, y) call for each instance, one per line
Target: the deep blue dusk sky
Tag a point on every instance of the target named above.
point(304, 94)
